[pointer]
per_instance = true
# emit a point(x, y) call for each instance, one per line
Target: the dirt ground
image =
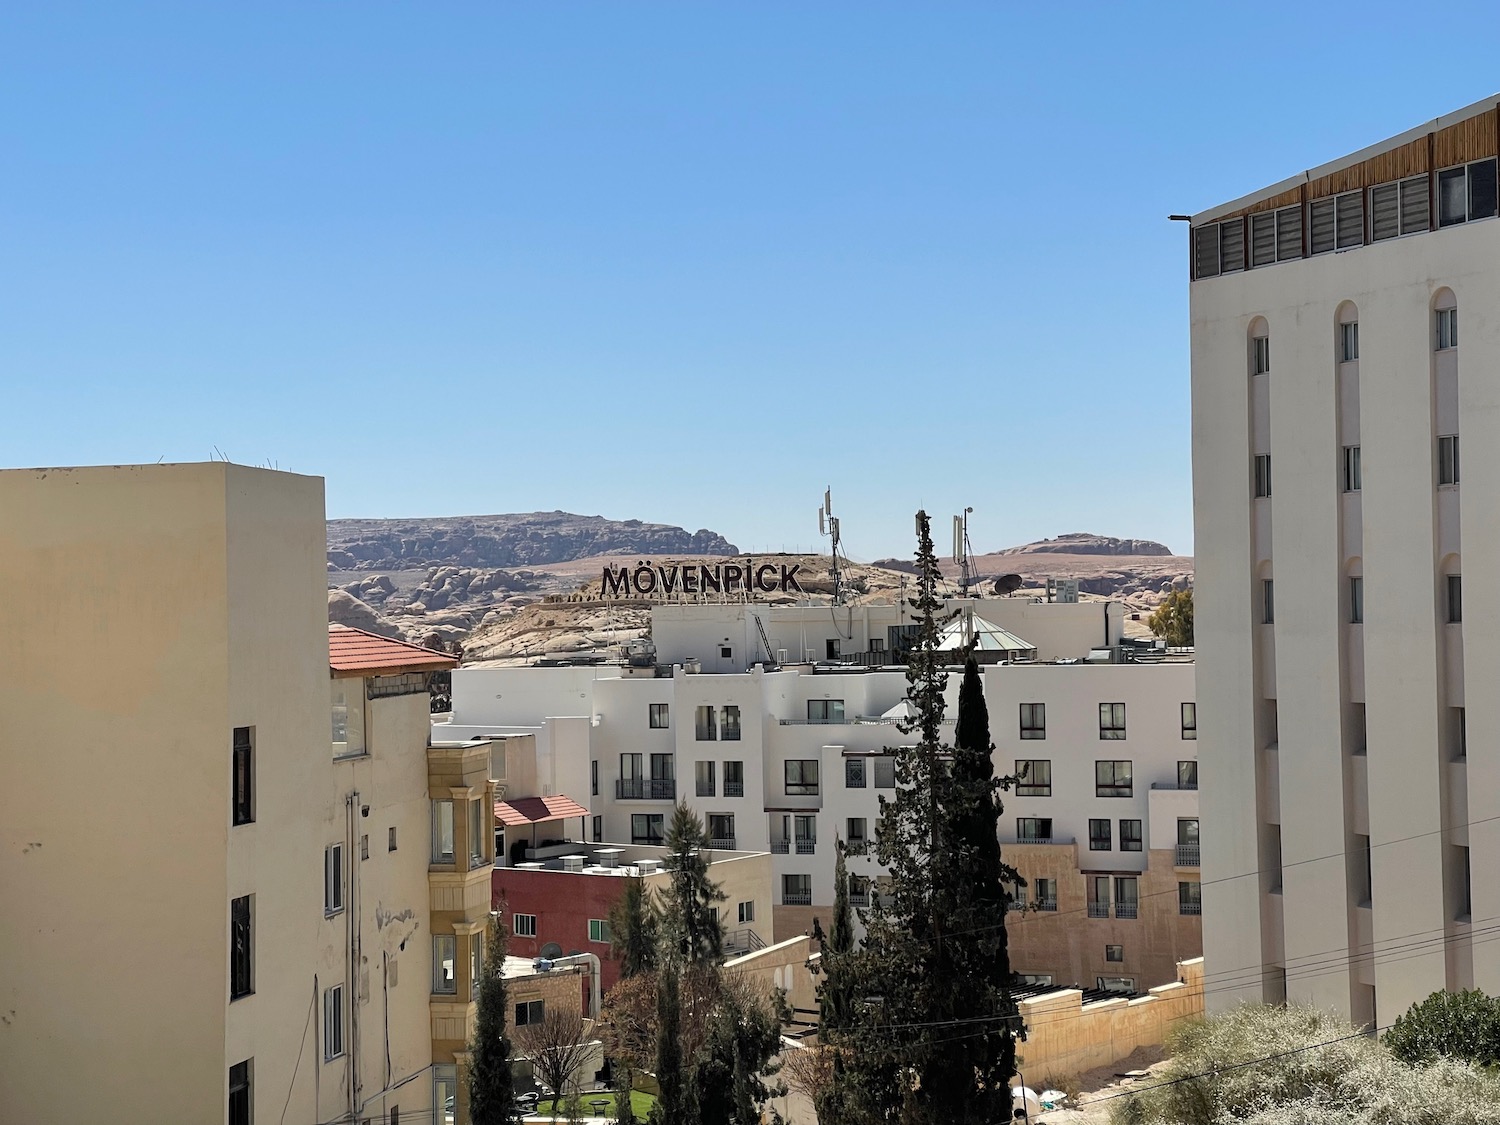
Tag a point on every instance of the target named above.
point(1100, 1088)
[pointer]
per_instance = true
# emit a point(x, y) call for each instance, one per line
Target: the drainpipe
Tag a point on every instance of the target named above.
point(596, 987)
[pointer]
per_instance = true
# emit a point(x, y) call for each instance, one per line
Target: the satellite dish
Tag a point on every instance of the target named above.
point(551, 951)
point(1007, 584)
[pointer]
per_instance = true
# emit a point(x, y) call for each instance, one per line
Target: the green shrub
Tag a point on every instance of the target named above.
point(1464, 1026)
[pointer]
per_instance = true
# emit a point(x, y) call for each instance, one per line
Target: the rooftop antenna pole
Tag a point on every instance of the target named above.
point(828, 525)
point(962, 550)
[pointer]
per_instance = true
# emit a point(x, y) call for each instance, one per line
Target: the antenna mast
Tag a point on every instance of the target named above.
point(962, 550)
point(828, 525)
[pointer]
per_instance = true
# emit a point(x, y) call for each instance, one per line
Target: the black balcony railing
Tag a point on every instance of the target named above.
point(734, 789)
point(1187, 855)
point(723, 844)
point(1190, 908)
point(1047, 904)
point(646, 789)
point(806, 847)
point(1126, 909)
point(796, 898)
point(1098, 910)
point(781, 847)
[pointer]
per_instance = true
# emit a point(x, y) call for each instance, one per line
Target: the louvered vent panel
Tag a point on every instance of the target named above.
point(1385, 212)
point(1206, 251)
point(1320, 218)
point(1351, 211)
point(1263, 238)
point(1288, 233)
point(1232, 245)
point(1415, 214)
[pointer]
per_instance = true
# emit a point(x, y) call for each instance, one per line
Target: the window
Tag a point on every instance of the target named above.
point(1033, 720)
point(825, 710)
point(885, 772)
point(477, 818)
point(1043, 979)
point(1189, 720)
point(523, 925)
point(1187, 831)
point(442, 831)
point(630, 767)
point(444, 971)
point(731, 723)
point(390, 839)
point(1189, 898)
point(1130, 836)
point(726, 652)
point(1260, 355)
point(659, 716)
point(1351, 468)
point(1046, 893)
point(854, 773)
point(1127, 896)
point(854, 835)
point(1112, 779)
point(598, 829)
point(240, 1098)
point(1099, 836)
point(645, 828)
point(805, 832)
point(1400, 207)
point(721, 830)
point(734, 779)
point(801, 777)
point(663, 768)
point(1115, 984)
point(746, 912)
point(1448, 459)
point(598, 930)
point(1465, 884)
point(877, 644)
point(1466, 193)
point(1447, 329)
point(241, 947)
point(1359, 879)
point(1349, 342)
point(1356, 600)
point(333, 879)
point(333, 1022)
point(444, 1093)
point(1336, 222)
point(348, 717)
point(796, 890)
point(1262, 474)
point(1111, 721)
point(1276, 236)
point(1187, 775)
point(1267, 602)
point(703, 779)
point(476, 963)
point(1035, 776)
point(1034, 829)
point(1114, 953)
point(244, 776)
point(704, 724)
point(530, 1012)
point(1459, 732)
point(1455, 599)
point(594, 778)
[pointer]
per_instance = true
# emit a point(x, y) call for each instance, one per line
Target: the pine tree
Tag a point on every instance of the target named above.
point(634, 920)
point(934, 940)
point(675, 1103)
point(492, 1099)
point(692, 896)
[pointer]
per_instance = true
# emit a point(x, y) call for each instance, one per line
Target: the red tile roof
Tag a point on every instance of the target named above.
point(353, 651)
point(534, 810)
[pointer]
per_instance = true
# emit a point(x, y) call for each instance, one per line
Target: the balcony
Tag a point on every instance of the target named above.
point(1190, 908)
point(723, 845)
point(1187, 855)
point(743, 941)
point(1098, 910)
point(781, 847)
point(734, 789)
point(796, 898)
point(857, 847)
point(859, 898)
point(1126, 909)
point(806, 847)
point(1047, 904)
point(644, 789)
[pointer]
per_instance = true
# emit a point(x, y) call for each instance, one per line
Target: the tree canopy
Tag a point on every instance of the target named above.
point(1173, 619)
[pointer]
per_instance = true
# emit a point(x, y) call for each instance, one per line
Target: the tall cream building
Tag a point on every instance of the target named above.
point(1348, 574)
point(236, 883)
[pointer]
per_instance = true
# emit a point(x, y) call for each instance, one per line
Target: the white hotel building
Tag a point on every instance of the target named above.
point(785, 757)
point(1352, 785)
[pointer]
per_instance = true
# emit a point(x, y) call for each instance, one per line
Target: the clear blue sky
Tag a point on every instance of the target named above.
point(678, 262)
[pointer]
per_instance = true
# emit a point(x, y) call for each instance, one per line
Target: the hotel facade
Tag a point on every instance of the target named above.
point(1348, 574)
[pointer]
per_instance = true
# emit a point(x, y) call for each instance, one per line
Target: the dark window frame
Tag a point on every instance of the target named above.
point(1033, 721)
point(1031, 783)
point(1101, 834)
point(1132, 838)
point(659, 716)
point(801, 787)
point(242, 947)
point(1107, 777)
point(1112, 722)
point(243, 773)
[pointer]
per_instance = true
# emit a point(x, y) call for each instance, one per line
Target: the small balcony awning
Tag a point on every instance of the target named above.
point(535, 810)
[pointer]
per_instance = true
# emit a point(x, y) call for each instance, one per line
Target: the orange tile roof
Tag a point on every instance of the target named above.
point(353, 651)
point(534, 810)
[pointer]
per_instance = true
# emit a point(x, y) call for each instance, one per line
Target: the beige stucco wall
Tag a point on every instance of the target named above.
point(1065, 1036)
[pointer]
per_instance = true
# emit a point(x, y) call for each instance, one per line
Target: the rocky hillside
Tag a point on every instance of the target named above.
point(524, 540)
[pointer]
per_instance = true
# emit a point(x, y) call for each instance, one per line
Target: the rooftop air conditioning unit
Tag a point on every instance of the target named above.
point(572, 862)
point(649, 866)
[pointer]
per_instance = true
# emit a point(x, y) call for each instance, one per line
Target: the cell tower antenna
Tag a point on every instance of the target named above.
point(828, 525)
point(962, 549)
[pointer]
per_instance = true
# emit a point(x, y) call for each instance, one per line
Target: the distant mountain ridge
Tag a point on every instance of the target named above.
point(508, 540)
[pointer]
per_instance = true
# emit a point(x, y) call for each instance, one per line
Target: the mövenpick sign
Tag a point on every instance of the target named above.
point(644, 580)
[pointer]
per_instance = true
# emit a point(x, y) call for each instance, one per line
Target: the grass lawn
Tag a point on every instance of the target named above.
point(640, 1105)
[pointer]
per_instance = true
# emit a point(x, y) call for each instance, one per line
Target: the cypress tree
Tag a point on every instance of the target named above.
point(492, 1099)
point(835, 999)
point(693, 896)
point(675, 1103)
point(634, 920)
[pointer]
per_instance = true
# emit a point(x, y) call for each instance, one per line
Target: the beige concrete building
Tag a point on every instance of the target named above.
point(252, 936)
point(1350, 781)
